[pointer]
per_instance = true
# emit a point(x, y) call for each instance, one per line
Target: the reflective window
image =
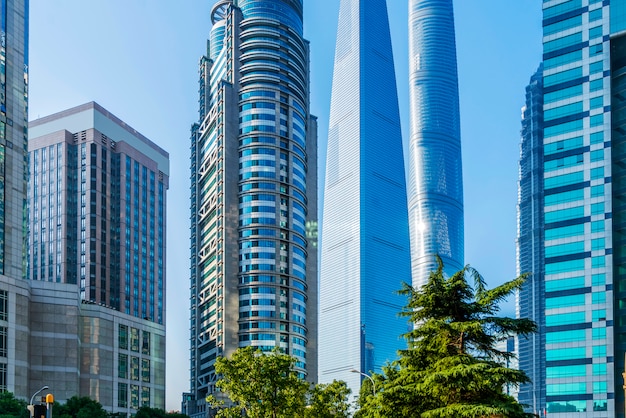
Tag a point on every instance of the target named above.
point(4, 305)
point(122, 395)
point(134, 368)
point(134, 339)
point(122, 368)
point(145, 370)
point(123, 337)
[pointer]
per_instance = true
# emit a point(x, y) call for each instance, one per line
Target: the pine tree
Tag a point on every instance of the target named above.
point(452, 366)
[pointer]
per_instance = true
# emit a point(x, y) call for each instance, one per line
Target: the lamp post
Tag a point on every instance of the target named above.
point(35, 394)
point(31, 408)
point(369, 377)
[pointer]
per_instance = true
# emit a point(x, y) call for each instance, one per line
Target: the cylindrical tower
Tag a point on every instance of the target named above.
point(435, 194)
point(253, 273)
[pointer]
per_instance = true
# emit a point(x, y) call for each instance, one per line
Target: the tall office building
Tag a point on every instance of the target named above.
point(365, 235)
point(97, 200)
point(576, 195)
point(435, 174)
point(13, 180)
point(530, 241)
point(13, 136)
point(97, 203)
point(253, 192)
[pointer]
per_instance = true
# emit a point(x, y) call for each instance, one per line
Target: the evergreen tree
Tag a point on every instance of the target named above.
point(453, 366)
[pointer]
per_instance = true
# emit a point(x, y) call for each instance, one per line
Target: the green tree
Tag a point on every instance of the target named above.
point(11, 407)
point(261, 385)
point(80, 407)
point(147, 412)
point(329, 400)
point(452, 367)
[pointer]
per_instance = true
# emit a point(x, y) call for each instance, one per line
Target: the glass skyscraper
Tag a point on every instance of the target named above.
point(530, 232)
point(97, 195)
point(13, 136)
point(435, 193)
point(253, 193)
point(97, 204)
point(572, 214)
point(365, 237)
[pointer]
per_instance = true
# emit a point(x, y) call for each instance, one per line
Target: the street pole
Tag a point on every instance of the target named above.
point(369, 377)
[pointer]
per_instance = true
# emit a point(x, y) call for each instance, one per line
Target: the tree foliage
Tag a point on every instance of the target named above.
point(11, 407)
point(265, 385)
point(80, 407)
point(147, 412)
point(261, 385)
point(453, 366)
point(329, 400)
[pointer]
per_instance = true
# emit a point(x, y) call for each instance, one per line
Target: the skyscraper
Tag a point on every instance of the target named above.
point(365, 236)
point(13, 180)
point(435, 174)
point(530, 243)
point(97, 203)
point(253, 192)
point(13, 136)
point(97, 199)
point(578, 286)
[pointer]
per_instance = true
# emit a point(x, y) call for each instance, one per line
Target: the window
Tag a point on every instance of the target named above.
point(3, 342)
point(4, 305)
point(145, 343)
point(565, 319)
point(134, 340)
point(145, 396)
point(123, 337)
point(122, 367)
point(145, 370)
point(565, 284)
point(566, 371)
point(3, 377)
point(565, 336)
point(134, 368)
point(134, 396)
point(122, 395)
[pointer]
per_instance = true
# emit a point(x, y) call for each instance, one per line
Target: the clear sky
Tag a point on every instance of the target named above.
point(138, 59)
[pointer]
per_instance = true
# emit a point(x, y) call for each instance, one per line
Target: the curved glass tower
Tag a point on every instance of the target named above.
point(435, 172)
point(253, 192)
point(365, 236)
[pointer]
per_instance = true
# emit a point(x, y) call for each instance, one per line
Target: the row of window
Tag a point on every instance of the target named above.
point(132, 372)
point(130, 339)
point(138, 396)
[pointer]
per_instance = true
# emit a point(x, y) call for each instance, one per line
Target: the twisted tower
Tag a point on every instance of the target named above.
point(435, 174)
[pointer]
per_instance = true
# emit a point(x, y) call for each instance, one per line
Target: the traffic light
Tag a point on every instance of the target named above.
point(40, 411)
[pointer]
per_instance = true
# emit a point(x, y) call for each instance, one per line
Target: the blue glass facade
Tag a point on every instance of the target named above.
point(530, 229)
point(575, 292)
point(13, 136)
point(365, 236)
point(435, 191)
point(253, 192)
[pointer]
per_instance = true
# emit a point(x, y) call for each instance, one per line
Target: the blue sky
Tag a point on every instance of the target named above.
point(138, 59)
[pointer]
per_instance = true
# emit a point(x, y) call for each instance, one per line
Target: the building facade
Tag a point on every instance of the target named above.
point(580, 185)
point(13, 180)
point(97, 203)
point(78, 348)
point(435, 191)
point(530, 240)
point(365, 253)
point(253, 193)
